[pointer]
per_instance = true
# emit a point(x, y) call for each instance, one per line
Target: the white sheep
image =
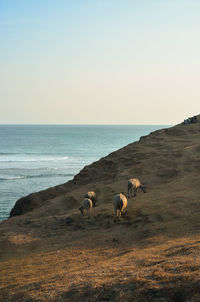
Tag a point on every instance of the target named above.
point(120, 203)
point(133, 185)
point(92, 196)
point(86, 204)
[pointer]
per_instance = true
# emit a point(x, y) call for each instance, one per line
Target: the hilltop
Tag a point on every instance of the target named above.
point(51, 253)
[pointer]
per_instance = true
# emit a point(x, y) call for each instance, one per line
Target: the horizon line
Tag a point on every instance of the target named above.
point(79, 124)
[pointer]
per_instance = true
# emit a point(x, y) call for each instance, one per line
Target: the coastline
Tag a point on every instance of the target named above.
point(147, 255)
point(35, 158)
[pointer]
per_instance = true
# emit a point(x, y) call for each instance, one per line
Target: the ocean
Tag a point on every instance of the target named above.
point(36, 157)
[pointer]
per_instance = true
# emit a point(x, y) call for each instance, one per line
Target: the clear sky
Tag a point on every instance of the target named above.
point(99, 61)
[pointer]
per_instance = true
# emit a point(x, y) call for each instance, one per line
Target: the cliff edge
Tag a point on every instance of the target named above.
point(51, 253)
point(156, 158)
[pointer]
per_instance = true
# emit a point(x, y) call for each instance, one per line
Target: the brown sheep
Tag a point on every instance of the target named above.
point(92, 196)
point(86, 204)
point(120, 203)
point(133, 185)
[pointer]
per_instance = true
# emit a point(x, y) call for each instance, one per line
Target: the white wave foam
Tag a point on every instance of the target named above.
point(35, 176)
point(12, 177)
point(63, 158)
point(31, 159)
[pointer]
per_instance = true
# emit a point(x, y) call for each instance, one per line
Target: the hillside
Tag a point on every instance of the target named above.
point(51, 253)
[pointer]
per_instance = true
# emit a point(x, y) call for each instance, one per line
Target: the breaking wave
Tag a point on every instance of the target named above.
point(34, 176)
point(31, 159)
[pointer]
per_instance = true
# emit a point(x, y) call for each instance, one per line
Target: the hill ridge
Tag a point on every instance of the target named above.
point(52, 253)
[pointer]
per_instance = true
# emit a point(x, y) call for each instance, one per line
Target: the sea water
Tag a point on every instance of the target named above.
point(36, 157)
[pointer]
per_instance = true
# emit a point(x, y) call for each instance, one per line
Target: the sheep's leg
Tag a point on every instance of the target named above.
point(89, 211)
point(118, 214)
point(131, 191)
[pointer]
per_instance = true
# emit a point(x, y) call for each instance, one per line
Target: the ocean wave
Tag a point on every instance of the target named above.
point(7, 153)
point(34, 176)
point(32, 159)
point(11, 177)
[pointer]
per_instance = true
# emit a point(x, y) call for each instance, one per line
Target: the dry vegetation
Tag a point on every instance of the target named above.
point(152, 254)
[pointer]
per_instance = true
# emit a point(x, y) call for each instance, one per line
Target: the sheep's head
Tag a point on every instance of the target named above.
point(81, 210)
point(143, 188)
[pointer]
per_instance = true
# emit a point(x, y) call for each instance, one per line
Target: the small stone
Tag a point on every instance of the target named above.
point(69, 220)
point(115, 240)
point(28, 222)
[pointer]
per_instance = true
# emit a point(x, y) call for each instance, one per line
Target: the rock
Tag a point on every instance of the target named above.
point(69, 220)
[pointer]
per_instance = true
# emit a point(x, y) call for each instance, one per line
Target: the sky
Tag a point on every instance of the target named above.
point(99, 61)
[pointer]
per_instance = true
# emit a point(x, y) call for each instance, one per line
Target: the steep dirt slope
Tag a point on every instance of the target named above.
point(160, 157)
point(51, 253)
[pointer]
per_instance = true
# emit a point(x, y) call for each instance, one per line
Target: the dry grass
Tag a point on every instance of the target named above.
point(111, 267)
point(151, 255)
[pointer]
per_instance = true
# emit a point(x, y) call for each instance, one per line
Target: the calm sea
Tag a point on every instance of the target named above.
point(36, 157)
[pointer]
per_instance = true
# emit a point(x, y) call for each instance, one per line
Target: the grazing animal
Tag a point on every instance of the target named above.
point(120, 203)
point(133, 185)
point(92, 196)
point(86, 204)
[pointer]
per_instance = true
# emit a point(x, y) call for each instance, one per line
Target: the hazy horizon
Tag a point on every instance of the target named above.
point(85, 124)
point(99, 62)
